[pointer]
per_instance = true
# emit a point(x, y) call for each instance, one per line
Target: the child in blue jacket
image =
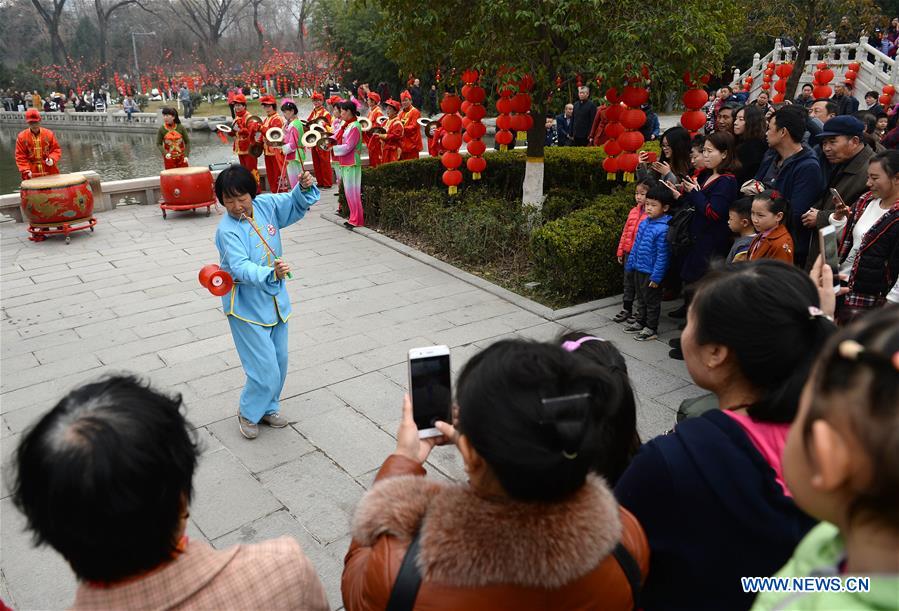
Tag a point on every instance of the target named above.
point(258, 306)
point(648, 262)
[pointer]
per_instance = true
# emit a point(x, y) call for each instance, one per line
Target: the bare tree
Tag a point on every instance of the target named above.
point(103, 16)
point(257, 26)
point(208, 20)
point(52, 17)
point(302, 12)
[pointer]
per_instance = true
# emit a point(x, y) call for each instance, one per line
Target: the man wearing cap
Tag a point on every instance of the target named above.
point(373, 143)
point(392, 139)
point(37, 151)
point(409, 117)
point(321, 160)
point(244, 135)
point(274, 158)
point(846, 170)
point(846, 102)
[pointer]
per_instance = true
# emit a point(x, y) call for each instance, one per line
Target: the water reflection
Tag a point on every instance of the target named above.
point(115, 156)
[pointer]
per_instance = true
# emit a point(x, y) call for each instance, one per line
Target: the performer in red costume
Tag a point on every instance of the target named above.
point(37, 151)
point(244, 134)
point(321, 160)
point(393, 139)
point(371, 141)
point(409, 117)
point(274, 158)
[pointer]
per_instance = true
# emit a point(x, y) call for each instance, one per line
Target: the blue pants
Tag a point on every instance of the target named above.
point(263, 354)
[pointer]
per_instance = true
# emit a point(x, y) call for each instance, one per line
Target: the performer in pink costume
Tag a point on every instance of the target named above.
point(294, 153)
point(347, 152)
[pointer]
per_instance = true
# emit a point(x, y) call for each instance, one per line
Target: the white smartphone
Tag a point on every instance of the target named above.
point(827, 242)
point(429, 386)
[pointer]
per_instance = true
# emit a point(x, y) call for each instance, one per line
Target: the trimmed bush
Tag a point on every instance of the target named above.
point(575, 255)
point(573, 169)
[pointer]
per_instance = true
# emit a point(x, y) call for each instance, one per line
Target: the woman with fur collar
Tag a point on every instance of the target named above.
point(532, 528)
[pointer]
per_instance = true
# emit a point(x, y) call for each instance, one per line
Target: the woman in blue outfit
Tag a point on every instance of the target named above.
point(258, 306)
point(711, 200)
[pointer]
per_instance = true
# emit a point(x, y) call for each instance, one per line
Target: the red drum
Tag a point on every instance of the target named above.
point(57, 199)
point(186, 189)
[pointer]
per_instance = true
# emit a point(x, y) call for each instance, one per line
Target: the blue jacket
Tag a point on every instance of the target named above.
point(801, 180)
point(712, 511)
point(258, 297)
point(563, 129)
point(708, 227)
point(651, 253)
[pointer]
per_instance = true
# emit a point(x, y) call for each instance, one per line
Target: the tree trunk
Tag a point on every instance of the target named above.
point(101, 25)
point(799, 64)
point(532, 187)
point(260, 37)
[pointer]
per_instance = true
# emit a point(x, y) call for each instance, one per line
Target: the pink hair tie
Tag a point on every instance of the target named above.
point(572, 345)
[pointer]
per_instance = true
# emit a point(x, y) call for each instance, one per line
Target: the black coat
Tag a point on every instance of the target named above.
point(877, 262)
point(582, 118)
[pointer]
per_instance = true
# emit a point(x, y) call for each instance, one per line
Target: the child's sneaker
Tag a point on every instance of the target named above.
point(631, 319)
point(633, 327)
point(622, 316)
point(645, 335)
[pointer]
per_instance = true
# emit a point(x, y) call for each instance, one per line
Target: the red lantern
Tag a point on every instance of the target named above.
point(504, 105)
point(612, 95)
point(770, 65)
point(521, 103)
point(630, 141)
point(503, 137)
point(851, 76)
point(695, 98)
point(610, 165)
point(784, 70)
point(504, 122)
point(452, 179)
point(611, 148)
point(778, 98)
point(613, 113)
point(451, 123)
point(780, 85)
point(476, 130)
point(889, 89)
point(519, 123)
point(633, 118)
point(465, 106)
point(476, 147)
point(627, 163)
point(634, 96)
point(822, 91)
point(613, 130)
point(824, 76)
point(766, 86)
point(885, 99)
point(451, 160)
point(476, 94)
point(821, 65)
point(749, 80)
point(450, 103)
point(451, 141)
point(855, 66)
point(692, 120)
point(476, 112)
point(476, 165)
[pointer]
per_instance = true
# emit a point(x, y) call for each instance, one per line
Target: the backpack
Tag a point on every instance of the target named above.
point(679, 237)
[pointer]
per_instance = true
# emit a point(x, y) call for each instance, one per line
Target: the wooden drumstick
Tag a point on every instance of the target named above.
point(259, 233)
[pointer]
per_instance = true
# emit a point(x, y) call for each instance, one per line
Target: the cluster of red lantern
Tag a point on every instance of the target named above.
point(522, 120)
point(474, 110)
point(451, 123)
point(747, 84)
point(504, 119)
point(852, 74)
point(767, 77)
point(624, 120)
point(694, 99)
point(823, 75)
point(886, 96)
point(783, 72)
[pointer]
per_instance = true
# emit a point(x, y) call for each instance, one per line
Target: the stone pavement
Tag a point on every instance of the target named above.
point(127, 298)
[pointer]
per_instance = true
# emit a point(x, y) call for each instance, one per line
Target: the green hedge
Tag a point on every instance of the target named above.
point(577, 170)
point(575, 255)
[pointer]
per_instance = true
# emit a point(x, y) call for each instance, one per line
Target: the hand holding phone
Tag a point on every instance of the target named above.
point(429, 386)
point(840, 209)
point(827, 242)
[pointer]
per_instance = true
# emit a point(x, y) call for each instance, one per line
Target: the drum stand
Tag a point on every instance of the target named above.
point(163, 205)
point(40, 231)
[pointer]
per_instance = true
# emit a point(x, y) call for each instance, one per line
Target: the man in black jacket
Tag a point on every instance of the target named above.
point(563, 126)
point(846, 102)
point(415, 91)
point(582, 117)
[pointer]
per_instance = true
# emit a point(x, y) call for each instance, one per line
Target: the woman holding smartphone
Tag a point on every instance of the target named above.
point(869, 246)
point(532, 528)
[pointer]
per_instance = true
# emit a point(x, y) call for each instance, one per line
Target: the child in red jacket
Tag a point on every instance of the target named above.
point(626, 243)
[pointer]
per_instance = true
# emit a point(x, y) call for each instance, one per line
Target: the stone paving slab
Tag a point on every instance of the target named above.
point(126, 298)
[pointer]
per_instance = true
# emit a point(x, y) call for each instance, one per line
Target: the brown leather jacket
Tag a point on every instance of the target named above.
point(478, 553)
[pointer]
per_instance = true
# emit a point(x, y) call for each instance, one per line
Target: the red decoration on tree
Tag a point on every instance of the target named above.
point(474, 97)
point(504, 120)
point(822, 91)
point(610, 165)
point(692, 120)
point(451, 141)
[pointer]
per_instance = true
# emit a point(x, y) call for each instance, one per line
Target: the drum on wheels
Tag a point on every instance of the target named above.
point(186, 189)
point(57, 204)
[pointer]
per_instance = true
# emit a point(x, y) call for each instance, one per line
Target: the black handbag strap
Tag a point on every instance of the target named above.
point(408, 580)
point(631, 571)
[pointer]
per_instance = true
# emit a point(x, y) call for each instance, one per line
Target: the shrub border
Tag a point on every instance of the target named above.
point(475, 280)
